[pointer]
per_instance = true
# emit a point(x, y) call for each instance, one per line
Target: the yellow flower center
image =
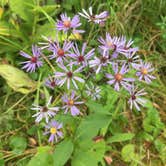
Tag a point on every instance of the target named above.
point(71, 102)
point(53, 130)
point(144, 71)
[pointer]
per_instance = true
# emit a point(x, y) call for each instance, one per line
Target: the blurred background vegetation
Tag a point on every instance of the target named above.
point(23, 22)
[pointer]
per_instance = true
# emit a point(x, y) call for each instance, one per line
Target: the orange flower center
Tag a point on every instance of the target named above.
point(67, 24)
point(144, 71)
point(60, 52)
point(118, 77)
point(70, 102)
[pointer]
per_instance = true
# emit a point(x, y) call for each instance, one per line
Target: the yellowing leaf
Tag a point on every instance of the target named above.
point(17, 79)
point(1, 12)
point(75, 36)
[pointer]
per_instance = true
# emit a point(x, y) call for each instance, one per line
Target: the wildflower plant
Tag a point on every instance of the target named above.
point(81, 72)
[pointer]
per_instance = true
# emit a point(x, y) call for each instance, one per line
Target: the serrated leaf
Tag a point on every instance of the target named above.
point(17, 79)
point(120, 137)
point(62, 152)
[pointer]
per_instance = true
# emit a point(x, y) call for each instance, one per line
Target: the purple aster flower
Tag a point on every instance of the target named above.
point(93, 91)
point(131, 59)
point(118, 78)
point(94, 18)
point(33, 61)
point(143, 72)
point(44, 111)
point(126, 48)
point(115, 44)
point(81, 57)
point(70, 104)
point(68, 75)
point(135, 99)
point(60, 53)
point(99, 62)
point(55, 129)
point(51, 82)
point(66, 23)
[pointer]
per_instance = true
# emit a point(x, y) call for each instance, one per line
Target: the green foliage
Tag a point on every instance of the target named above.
point(23, 9)
point(24, 22)
point(89, 157)
point(128, 153)
point(63, 152)
point(43, 157)
point(152, 122)
point(18, 144)
point(119, 137)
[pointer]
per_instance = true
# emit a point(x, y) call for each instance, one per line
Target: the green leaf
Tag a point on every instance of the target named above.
point(90, 157)
point(18, 144)
point(89, 128)
point(2, 162)
point(62, 152)
point(119, 137)
point(95, 107)
point(42, 158)
point(128, 152)
point(22, 8)
point(17, 79)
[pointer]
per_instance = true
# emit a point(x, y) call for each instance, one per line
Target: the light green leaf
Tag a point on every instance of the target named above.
point(17, 79)
point(18, 144)
point(22, 8)
point(128, 152)
point(62, 152)
point(42, 158)
point(119, 137)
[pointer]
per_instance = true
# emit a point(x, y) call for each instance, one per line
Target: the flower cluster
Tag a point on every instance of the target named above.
point(75, 68)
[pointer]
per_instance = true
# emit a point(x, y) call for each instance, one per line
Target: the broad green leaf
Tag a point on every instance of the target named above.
point(82, 158)
point(128, 152)
point(18, 144)
point(22, 8)
point(17, 79)
point(62, 152)
point(42, 158)
point(89, 128)
point(91, 156)
point(47, 30)
point(93, 106)
point(119, 137)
